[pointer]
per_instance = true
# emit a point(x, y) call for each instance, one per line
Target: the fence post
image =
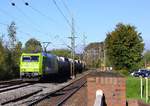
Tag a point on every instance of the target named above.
point(141, 87)
point(146, 89)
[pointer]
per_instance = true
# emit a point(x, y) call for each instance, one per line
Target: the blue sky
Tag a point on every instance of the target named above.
point(94, 18)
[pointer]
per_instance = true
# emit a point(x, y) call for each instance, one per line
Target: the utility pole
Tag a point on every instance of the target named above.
point(99, 55)
point(104, 56)
point(84, 44)
point(84, 40)
point(72, 49)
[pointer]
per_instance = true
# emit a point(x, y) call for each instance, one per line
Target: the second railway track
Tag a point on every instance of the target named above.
point(28, 94)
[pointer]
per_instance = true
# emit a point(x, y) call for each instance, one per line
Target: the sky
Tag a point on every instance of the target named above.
point(42, 20)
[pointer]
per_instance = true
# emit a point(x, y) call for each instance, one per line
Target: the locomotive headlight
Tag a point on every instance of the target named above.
point(22, 74)
point(36, 74)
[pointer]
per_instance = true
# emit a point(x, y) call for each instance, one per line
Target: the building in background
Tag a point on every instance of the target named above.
point(94, 55)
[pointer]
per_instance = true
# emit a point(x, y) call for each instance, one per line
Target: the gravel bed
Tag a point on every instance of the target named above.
point(10, 81)
point(46, 88)
point(13, 86)
point(1, 86)
point(78, 99)
point(17, 93)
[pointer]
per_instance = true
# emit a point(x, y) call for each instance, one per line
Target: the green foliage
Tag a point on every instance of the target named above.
point(147, 57)
point(1, 52)
point(18, 52)
point(10, 54)
point(63, 53)
point(124, 47)
point(32, 45)
point(12, 34)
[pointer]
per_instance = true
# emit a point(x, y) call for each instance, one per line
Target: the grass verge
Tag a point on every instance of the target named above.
point(133, 88)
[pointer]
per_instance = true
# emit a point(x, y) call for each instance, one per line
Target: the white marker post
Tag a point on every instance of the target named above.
point(98, 100)
point(141, 87)
point(146, 89)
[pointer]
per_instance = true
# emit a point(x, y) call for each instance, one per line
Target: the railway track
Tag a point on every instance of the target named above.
point(22, 93)
point(11, 87)
point(59, 96)
point(10, 81)
point(29, 94)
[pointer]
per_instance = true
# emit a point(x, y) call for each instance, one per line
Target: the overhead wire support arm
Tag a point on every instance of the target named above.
point(45, 45)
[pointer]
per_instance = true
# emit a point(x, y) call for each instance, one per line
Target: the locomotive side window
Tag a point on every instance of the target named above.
point(30, 58)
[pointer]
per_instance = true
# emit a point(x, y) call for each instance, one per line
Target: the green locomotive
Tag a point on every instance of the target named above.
point(36, 66)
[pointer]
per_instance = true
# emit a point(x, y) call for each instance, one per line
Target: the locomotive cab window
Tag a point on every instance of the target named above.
point(30, 58)
point(34, 58)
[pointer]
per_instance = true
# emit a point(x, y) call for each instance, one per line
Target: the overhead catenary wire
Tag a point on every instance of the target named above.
point(67, 8)
point(61, 12)
point(17, 30)
point(39, 12)
point(28, 18)
point(27, 33)
point(69, 12)
point(36, 27)
point(13, 17)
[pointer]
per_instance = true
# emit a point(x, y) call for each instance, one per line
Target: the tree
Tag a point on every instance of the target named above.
point(33, 45)
point(18, 52)
point(1, 51)
point(124, 47)
point(12, 34)
point(10, 51)
point(4, 67)
point(61, 52)
point(147, 58)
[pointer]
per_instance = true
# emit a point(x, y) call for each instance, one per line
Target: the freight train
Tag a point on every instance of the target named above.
point(38, 65)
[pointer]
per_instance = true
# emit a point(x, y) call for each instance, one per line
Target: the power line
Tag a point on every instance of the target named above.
point(67, 8)
point(69, 12)
point(28, 18)
point(20, 31)
point(39, 12)
point(13, 17)
point(58, 8)
point(26, 33)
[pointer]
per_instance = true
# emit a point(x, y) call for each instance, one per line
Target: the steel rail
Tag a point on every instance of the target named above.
point(11, 88)
point(70, 94)
point(48, 94)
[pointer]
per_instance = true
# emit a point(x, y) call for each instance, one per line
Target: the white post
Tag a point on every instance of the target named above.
point(141, 87)
point(98, 100)
point(146, 89)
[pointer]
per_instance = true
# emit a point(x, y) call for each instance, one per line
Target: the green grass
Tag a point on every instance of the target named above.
point(133, 88)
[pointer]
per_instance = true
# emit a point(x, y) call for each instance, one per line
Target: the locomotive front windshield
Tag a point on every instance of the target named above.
point(30, 58)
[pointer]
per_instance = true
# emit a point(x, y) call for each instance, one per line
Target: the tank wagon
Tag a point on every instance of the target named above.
point(38, 65)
